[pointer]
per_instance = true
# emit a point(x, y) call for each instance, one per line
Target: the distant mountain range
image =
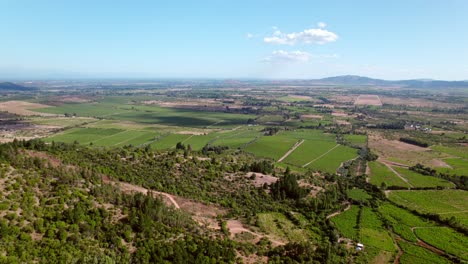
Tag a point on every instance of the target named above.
point(419, 83)
point(11, 87)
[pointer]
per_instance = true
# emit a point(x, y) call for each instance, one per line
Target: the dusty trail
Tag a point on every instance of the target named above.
point(127, 187)
point(397, 174)
point(330, 150)
point(236, 227)
point(400, 251)
point(341, 211)
point(392, 163)
point(430, 247)
point(291, 150)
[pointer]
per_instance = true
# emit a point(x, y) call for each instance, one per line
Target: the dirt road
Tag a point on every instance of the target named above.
point(291, 150)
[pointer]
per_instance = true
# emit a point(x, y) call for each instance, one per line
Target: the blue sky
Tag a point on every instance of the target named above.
point(234, 39)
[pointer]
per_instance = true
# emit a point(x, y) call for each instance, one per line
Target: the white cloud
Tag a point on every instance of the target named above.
point(249, 35)
point(279, 56)
point(322, 24)
point(308, 36)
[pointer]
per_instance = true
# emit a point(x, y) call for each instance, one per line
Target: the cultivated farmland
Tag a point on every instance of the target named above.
point(446, 203)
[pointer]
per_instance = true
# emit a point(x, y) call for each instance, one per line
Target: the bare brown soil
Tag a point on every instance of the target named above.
point(75, 99)
point(402, 153)
point(11, 129)
point(325, 105)
point(342, 122)
point(236, 227)
point(340, 114)
point(42, 155)
point(199, 209)
point(197, 133)
point(368, 99)
point(440, 163)
point(314, 189)
point(23, 108)
point(418, 102)
point(303, 97)
point(346, 99)
point(382, 257)
point(312, 116)
point(261, 179)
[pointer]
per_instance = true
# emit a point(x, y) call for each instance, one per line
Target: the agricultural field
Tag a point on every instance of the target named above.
point(333, 159)
point(308, 151)
point(281, 228)
point(272, 146)
point(446, 203)
point(84, 135)
point(169, 141)
point(358, 195)
point(62, 121)
point(104, 136)
point(458, 151)
point(391, 149)
point(458, 166)
point(372, 232)
point(238, 138)
point(418, 255)
point(366, 99)
point(279, 179)
point(402, 221)
point(445, 239)
point(150, 114)
point(419, 180)
point(317, 151)
point(346, 223)
point(359, 140)
point(382, 174)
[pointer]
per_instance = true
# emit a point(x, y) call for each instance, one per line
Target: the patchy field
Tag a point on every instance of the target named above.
point(368, 99)
point(281, 228)
point(23, 108)
point(418, 102)
point(400, 152)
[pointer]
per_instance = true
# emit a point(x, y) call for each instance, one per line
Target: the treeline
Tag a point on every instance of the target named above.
point(414, 141)
point(461, 181)
point(270, 131)
point(394, 125)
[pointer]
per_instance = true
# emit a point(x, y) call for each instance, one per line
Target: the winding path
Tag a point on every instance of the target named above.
point(236, 227)
point(127, 187)
point(341, 211)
